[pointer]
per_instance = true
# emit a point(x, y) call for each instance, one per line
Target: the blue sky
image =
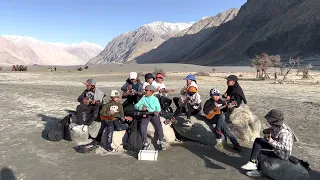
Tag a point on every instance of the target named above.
point(98, 21)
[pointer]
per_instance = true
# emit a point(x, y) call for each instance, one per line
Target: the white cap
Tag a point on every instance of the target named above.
point(133, 75)
point(115, 93)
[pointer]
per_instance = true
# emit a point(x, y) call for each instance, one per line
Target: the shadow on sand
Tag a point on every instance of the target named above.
point(7, 174)
point(49, 122)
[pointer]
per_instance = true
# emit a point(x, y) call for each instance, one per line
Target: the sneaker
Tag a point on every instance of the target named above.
point(237, 147)
point(219, 141)
point(187, 123)
point(250, 166)
point(254, 173)
point(146, 146)
point(110, 150)
point(162, 145)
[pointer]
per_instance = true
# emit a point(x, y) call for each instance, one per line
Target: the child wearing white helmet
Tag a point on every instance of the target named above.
point(213, 109)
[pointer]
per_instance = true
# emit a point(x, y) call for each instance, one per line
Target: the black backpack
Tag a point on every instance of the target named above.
point(135, 143)
point(297, 161)
point(60, 130)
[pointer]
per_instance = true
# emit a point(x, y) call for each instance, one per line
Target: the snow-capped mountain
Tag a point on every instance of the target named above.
point(129, 45)
point(83, 50)
point(28, 50)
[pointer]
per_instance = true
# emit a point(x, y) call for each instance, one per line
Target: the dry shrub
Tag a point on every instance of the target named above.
point(213, 70)
point(158, 70)
point(0, 68)
point(241, 75)
point(86, 67)
point(140, 74)
point(201, 73)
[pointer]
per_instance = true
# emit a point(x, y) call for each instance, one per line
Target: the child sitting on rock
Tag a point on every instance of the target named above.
point(190, 104)
point(150, 80)
point(278, 142)
point(221, 127)
point(112, 117)
point(190, 81)
point(149, 103)
point(161, 93)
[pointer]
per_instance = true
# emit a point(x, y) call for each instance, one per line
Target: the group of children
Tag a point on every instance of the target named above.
point(150, 99)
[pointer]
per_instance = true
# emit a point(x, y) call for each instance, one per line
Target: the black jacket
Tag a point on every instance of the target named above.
point(236, 94)
point(124, 88)
point(210, 105)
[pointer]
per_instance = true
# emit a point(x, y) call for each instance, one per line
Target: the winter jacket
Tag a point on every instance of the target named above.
point(95, 95)
point(195, 100)
point(137, 87)
point(150, 102)
point(235, 93)
point(111, 105)
point(210, 104)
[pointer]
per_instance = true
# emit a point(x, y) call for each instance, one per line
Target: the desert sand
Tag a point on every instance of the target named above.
point(32, 101)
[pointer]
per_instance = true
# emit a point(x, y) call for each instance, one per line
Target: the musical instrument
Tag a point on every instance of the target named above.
point(217, 110)
point(112, 118)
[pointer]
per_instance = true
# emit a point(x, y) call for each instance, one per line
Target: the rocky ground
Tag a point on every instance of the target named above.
point(31, 102)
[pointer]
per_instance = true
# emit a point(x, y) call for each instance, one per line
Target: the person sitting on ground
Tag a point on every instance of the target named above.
point(221, 127)
point(190, 81)
point(161, 92)
point(112, 118)
point(278, 142)
point(234, 92)
point(150, 103)
point(190, 104)
point(150, 80)
point(90, 102)
point(132, 92)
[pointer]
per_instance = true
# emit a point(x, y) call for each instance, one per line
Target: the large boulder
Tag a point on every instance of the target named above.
point(199, 131)
point(278, 169)
point(169, 135)
point(80, 137)
point(242, 122)
point(245, 125)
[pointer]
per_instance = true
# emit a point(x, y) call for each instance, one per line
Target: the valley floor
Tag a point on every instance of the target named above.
point(32, 101)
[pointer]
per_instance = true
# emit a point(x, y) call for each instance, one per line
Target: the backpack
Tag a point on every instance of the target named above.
point(85, 148)
point(135, 143)
point(60, 130)
point(297, 161)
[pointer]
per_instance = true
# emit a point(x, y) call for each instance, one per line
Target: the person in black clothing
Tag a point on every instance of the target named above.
point(234, 92)
point(221, 127)
point(90, 101)
point(132, 92)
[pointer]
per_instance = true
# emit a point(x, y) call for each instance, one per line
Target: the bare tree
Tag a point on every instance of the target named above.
point(292, 62)
point(305, 72)
point(263, 62)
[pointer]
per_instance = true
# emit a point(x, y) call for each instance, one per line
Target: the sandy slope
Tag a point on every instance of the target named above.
point(32, 101)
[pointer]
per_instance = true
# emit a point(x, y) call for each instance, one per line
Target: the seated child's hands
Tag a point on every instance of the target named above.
point(144, 108)
point(156, 113)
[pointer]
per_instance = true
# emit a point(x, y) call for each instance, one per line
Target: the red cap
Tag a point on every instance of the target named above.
point(159, 76)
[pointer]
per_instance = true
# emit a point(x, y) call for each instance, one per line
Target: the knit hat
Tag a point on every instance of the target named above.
point(275, 117)
point(114, 93)
point(214, 92)
point(192, 89)
point(133, 75)
point(150, 87)
point(232, 78)
point(90, 82)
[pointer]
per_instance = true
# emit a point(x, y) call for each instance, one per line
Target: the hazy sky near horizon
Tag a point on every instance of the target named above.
point(98, 21)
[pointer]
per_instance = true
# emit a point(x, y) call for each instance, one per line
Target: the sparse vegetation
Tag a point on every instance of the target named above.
point(158, 70)
point(292, 62)
point(79, 69)
point(263, 62)
point(241, 75)
point(140, 74)
point(0, 68)
point(305, 72)
point(86, 67)
point(213, 70)
point(201, 73)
